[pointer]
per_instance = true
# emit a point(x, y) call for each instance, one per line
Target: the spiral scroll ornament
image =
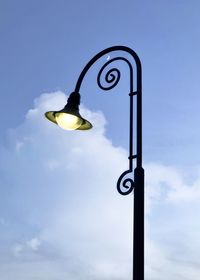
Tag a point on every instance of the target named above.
point(125, 185)
point(112, 76)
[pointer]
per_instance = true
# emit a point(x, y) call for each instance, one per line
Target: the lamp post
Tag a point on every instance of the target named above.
point(69, 118)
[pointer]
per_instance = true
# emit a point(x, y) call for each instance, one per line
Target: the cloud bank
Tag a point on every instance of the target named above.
point(62, 218)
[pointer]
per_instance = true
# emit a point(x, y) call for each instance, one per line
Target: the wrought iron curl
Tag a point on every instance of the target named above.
point(125, 185)
point(112, 76)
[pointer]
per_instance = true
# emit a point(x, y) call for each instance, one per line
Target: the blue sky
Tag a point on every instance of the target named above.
point(54, 185)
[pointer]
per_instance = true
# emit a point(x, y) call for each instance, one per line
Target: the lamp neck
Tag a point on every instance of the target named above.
point(73, 101)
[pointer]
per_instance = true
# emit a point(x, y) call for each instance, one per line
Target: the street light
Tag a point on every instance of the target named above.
point(69, 118)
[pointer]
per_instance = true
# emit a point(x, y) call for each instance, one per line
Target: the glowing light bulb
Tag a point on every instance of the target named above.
point(68, 121)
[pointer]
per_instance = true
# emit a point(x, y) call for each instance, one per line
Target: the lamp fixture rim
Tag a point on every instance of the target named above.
point(50, 115)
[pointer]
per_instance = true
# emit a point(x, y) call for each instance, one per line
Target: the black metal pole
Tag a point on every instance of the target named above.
point(126, 184)
point(138, 225)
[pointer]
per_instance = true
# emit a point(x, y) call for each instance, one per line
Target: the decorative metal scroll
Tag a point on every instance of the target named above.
point(125, 183)
point(112, 77)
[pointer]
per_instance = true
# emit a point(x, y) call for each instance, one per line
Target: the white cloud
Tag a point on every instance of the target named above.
point(60, 187)
point(34, 244)
point(172, 223)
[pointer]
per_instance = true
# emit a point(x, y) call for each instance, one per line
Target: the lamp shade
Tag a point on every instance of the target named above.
point(69, 117)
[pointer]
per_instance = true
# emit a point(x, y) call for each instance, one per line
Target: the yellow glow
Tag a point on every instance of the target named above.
point(68, 121)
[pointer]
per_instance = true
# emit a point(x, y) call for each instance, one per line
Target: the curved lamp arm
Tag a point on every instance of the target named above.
point(112, 77)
